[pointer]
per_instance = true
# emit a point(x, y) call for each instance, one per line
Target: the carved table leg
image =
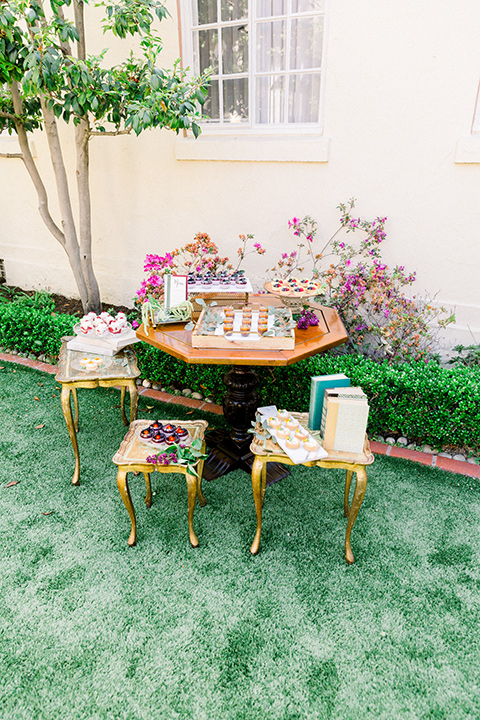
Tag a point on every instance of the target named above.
point(132, 388)
point(67, 412)
point(75, 407)
point(231, 450)
point(201, 497)
point(346, 504)
point(360, 487)
point(192, 496)
point(258, 469)
point(122, 404)
point(122, 484)
point(148, 496)
point(241, 401)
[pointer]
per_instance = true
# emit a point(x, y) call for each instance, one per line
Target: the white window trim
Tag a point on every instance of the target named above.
point(252, 142)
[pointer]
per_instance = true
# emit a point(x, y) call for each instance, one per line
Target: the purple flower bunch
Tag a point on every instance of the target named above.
point(307, 318)
point(163, 459)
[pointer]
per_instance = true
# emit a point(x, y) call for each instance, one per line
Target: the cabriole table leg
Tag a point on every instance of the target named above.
point(360, 487)
point(122, 484)
point(192, 497)
point(258, 469)
point(67, 413)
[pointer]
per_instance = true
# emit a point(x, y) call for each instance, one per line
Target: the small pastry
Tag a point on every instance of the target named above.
point(100, 328)
point(86, 326)
point(106, 317)
point(181, 432)
point(229, 311)
point(90, 365)
point(241, 281)
point(263, 310)
point(311, 445)
point(158, 438)
point(170, 439)
point(245, 329)
point(292, 423)
point(83, 361)
point(145, 433)
point(283, 432)
point(156, 425)
point(121, 319)
point(115, 328)
point(273, 422)
point(283, 414)
point(292, 442)
point(301, 433)
point(169, 429)
point(90, 316)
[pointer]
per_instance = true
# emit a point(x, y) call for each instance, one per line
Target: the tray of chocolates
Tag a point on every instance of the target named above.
point(160, 435)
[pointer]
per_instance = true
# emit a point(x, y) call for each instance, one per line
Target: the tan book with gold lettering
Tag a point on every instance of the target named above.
point(344, 420)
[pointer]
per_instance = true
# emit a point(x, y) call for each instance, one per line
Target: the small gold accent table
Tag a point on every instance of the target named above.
point(131, 457)
point(120, 369)
point(351, 462)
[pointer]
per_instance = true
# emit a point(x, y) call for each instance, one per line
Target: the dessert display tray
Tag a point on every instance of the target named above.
point(107, 334)
point(77, 364)
point(252, 341)
point(159, 447)
point(299, 455)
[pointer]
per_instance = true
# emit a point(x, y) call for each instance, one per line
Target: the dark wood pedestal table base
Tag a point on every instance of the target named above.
point(230, 449)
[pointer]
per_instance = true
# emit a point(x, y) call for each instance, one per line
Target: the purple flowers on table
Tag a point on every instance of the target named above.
point(163, 459)
point(306, 319)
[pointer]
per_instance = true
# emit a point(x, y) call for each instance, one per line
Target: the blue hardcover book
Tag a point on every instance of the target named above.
point(319, 384)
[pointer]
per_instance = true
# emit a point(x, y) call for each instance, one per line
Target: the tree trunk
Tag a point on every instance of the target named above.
point(82, 135)
point(72, 247)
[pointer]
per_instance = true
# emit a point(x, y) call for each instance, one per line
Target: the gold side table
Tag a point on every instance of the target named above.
point(132, 457)
point(351, 462)
point(120, 369)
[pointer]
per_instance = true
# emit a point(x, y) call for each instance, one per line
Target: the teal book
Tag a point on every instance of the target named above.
point(318, 385)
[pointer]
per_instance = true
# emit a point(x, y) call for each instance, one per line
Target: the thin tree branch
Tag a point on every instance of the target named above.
point(32, 170)
point(9, 116)
point(109, 133)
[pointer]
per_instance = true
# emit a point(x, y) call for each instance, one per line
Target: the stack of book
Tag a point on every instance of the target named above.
point(344, 419)
point(107, 344)
point(318, 385)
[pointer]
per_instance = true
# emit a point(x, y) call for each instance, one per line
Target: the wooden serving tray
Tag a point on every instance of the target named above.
point(236, 341)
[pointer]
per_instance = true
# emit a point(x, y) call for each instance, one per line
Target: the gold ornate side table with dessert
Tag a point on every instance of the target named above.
point(90, 370)
point(137, 453)
point(266, 451)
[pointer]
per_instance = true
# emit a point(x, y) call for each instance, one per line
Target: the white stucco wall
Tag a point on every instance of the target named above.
point(401, 83)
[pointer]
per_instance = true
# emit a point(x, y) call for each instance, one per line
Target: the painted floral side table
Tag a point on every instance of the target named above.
point(120, 369)
point(351, 462)
point(132, 457)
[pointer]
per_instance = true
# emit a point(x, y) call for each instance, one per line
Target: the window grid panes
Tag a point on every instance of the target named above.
point(266, 60)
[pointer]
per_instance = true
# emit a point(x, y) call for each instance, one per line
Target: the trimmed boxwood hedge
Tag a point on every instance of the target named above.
point(425, 402)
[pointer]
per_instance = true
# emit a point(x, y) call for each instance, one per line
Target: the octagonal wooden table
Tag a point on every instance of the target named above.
point(231, 449)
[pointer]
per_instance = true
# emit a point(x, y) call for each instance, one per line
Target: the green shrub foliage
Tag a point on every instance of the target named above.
point(32, 330)
point(423, 401)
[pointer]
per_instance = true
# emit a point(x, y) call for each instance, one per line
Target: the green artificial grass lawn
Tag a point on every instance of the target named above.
point(91, 628)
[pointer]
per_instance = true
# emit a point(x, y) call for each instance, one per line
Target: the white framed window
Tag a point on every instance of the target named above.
point(267, 60)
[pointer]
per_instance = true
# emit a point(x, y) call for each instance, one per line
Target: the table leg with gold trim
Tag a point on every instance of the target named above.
point(353, 463)
point(120, 370)
point(72, 425)
point(132, 457)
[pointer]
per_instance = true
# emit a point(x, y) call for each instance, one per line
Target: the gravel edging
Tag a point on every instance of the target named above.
point(433, 460)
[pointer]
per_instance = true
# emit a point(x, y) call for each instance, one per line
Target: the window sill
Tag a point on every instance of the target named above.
point(311, 149)
point(468, 149)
